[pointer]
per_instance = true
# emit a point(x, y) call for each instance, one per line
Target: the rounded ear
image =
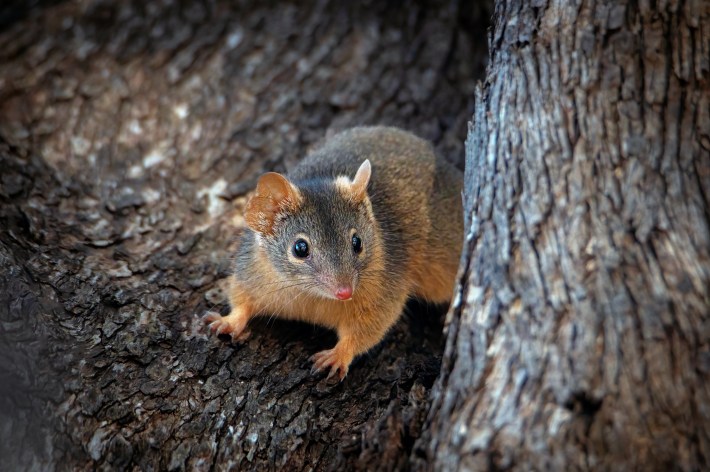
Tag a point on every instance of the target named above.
point(358, 187)
point(274, 195)
point(275, 186)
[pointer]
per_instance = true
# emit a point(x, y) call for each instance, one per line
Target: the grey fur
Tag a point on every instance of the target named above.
point(400, 161)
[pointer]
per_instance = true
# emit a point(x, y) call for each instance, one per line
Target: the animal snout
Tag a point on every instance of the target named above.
point(344, 292)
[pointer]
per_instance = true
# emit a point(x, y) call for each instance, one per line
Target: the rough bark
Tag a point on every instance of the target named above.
point(129, 134)
point(581, 336)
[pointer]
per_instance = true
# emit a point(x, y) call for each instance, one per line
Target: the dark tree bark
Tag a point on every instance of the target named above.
point(581, 336)
point(129, 135)
point(130, 132)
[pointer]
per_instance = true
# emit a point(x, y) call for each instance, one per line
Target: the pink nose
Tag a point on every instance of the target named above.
point(344, 293)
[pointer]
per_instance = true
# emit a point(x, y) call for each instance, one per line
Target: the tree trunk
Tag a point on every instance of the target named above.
point(129, 134)
point(581, 335)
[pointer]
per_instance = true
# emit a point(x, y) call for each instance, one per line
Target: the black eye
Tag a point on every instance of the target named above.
point(300, 249)
point(357, 244)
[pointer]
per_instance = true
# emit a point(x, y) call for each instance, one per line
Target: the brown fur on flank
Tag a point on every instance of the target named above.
point(381, 185)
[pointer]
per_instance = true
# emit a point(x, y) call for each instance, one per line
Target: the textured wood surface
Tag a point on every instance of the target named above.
point(130, 132)
point(581, 340)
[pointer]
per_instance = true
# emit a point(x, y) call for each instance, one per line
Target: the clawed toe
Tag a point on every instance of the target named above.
point(211, 317)
point(219, 325)
point(241, 336)
point(333, 372)
point(329, 358)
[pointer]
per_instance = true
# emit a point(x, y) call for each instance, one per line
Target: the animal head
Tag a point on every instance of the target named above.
point(318, 235)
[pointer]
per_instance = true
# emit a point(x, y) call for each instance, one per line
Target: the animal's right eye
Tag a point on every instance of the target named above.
point(300, 249)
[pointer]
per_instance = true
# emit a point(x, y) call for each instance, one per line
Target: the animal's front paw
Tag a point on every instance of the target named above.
point(232, 324)
point(338, 361)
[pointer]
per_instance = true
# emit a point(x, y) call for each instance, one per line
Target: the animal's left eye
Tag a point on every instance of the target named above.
point(357, 244)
